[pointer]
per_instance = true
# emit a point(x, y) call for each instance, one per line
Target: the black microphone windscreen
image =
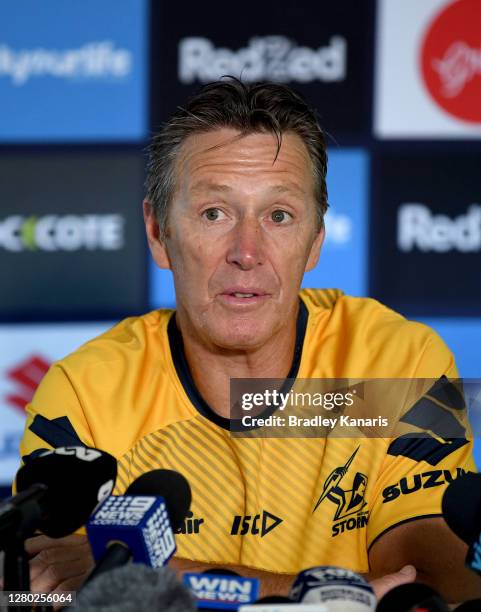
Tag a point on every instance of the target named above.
point(462, 506)
point(134, 588)
point(76, 479)
point(411, 596)
point(170, 485)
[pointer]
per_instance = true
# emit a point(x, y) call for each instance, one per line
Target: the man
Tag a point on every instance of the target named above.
point(235, 206)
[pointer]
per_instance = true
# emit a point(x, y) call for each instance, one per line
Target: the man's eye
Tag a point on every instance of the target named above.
point(279, 216)
point(212, 214)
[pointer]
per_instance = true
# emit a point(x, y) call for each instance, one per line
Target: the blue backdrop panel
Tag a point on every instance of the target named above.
point(343, 262)
point(73, 70)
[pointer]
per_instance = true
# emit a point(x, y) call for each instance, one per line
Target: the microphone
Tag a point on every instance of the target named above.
point(465, 493)
point(337, 588)
point(411, 597)
point(168, 484)
point(140, 525)
point(135, 588)
point(221, 589)
point(57, 492)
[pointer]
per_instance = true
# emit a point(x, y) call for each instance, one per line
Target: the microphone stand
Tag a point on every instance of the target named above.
point(16, 571)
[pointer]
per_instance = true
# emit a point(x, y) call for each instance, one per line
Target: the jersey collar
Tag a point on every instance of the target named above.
point(185, 376)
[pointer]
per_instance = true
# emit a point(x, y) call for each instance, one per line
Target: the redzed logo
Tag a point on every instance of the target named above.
point(451, 59)
point(27, 376)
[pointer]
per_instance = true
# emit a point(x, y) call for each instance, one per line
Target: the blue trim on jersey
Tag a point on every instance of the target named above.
point(56, 432)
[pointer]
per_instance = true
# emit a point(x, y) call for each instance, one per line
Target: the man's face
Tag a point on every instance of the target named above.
point(241, 233)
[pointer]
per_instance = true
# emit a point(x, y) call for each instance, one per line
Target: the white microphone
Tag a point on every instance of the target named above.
point(336, 588)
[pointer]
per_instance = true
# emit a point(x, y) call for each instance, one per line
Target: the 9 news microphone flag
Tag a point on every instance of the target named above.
point(140, 525)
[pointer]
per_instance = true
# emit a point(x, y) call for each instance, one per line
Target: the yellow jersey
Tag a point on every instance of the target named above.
point(276, 504)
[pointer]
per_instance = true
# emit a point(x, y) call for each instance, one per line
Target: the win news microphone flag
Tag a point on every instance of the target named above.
point(221, 589)
point(140, 525)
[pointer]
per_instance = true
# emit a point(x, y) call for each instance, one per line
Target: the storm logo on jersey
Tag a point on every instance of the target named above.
point(350, 512)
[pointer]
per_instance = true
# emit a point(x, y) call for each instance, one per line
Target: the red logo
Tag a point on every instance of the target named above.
point(451, 59)
point(27, 376)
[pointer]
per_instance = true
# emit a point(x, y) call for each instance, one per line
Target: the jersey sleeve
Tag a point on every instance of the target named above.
point(411, 488)
point(54, 417)
point(418, 466)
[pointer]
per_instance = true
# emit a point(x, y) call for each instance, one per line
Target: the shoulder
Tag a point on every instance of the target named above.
point(111, 390)
point(130, 340)
point(378, 340)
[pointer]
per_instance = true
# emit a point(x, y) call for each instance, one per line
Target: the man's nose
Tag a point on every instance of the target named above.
point(246, 247)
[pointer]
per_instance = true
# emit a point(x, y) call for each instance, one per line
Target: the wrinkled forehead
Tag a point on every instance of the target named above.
point(225, 154)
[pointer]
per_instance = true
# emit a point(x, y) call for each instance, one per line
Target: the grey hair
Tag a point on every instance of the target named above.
point(248, 108)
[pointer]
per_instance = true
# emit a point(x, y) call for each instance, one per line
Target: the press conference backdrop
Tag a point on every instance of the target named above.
point(397, 85)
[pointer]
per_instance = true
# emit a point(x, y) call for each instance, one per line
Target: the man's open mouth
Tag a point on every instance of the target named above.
point(244, 294)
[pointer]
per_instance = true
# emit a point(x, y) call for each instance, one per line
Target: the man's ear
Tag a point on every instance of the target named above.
point(156, 244)
point(315, 250)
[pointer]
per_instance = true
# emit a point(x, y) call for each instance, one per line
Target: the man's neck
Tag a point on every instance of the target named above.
point(212, 368)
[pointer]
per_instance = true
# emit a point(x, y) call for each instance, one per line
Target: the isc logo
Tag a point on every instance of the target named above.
point(259, 524)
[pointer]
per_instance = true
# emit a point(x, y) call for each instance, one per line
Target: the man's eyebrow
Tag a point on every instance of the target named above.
point(203, 186)
point(288, 188)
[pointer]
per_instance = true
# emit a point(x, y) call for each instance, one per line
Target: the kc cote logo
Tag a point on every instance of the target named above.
point(62, 233)
point(451, 60)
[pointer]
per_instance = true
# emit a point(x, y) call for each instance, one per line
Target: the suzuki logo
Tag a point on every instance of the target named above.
point(27, 375)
